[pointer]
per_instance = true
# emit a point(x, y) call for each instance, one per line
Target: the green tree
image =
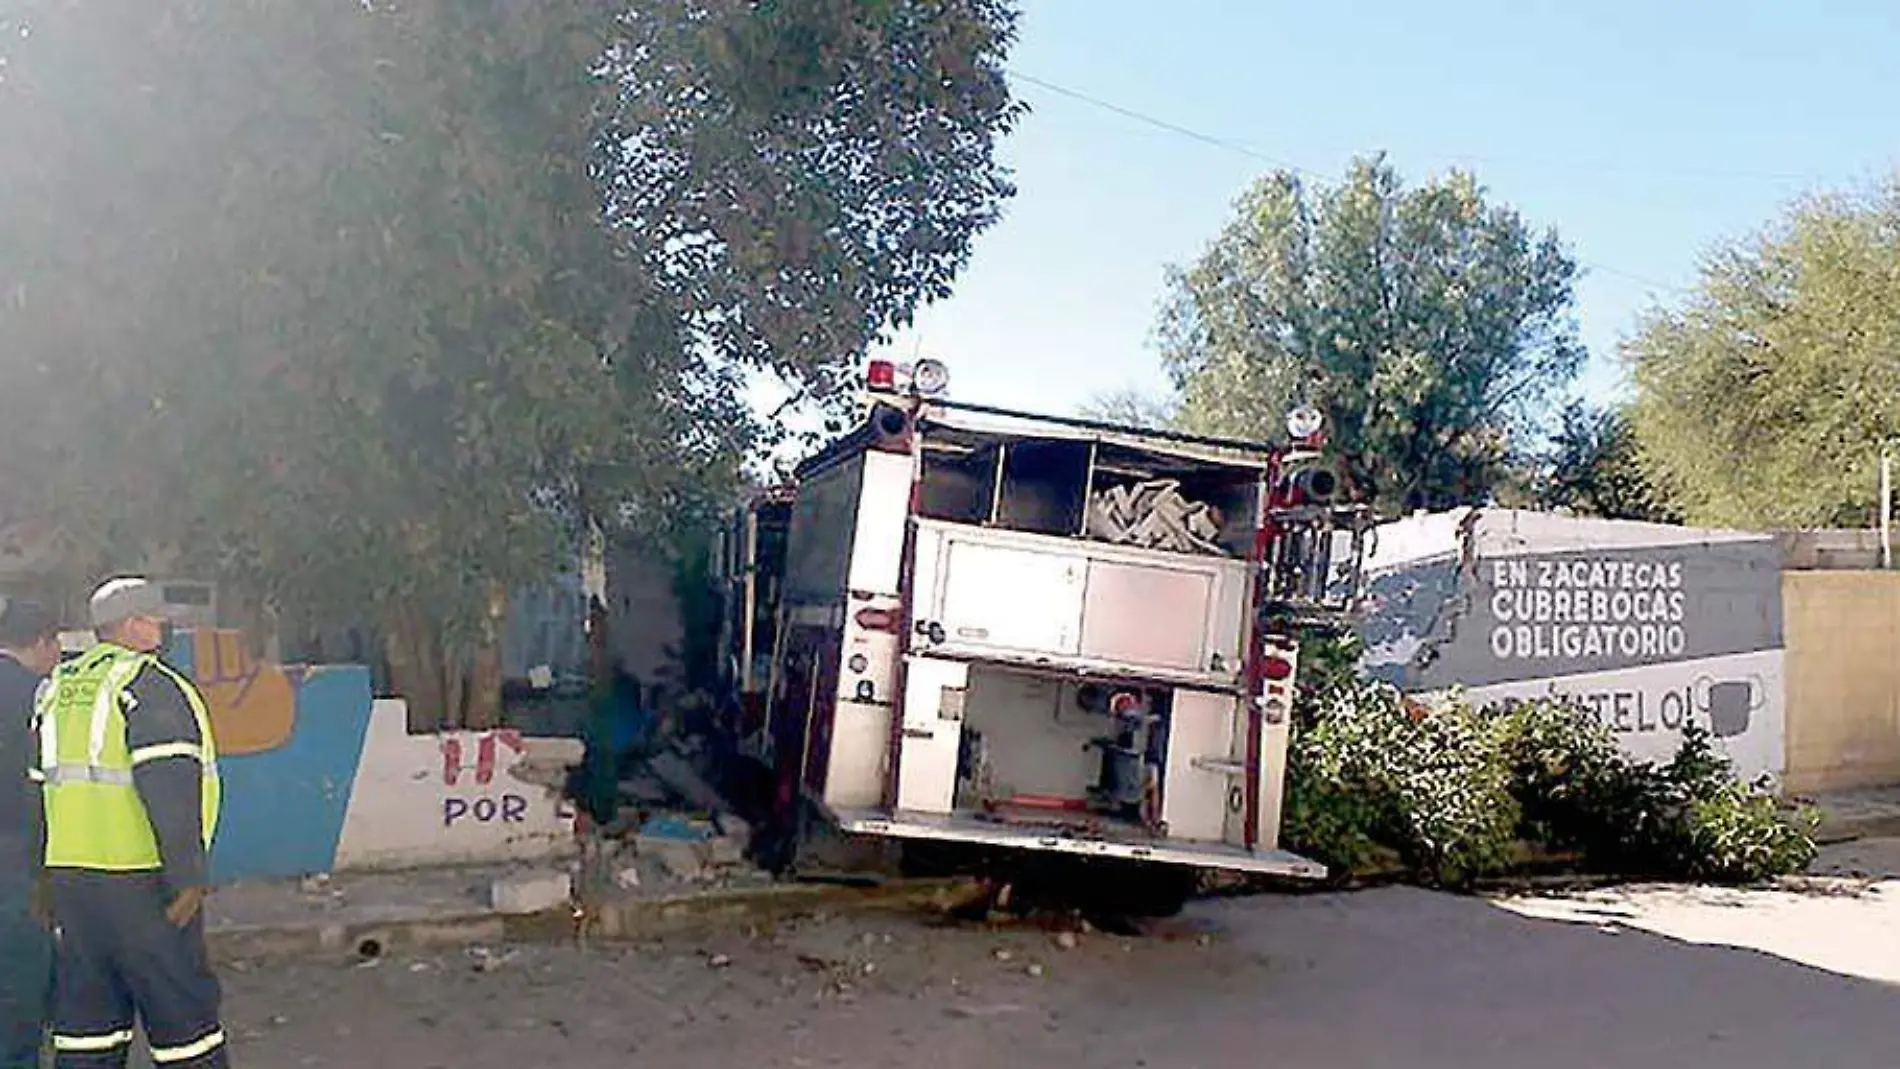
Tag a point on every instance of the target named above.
point(372, 308)
point(1763, 398)
point(1132, 408)
point(1429, 324)
point(1592, 468)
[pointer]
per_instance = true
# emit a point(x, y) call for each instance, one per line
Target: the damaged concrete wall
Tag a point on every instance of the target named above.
point(1652, 626)
point(454, 797)
point(319, 776)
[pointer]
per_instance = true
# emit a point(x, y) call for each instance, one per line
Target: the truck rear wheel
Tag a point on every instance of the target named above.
point(1105, 888)
point(1137, 889)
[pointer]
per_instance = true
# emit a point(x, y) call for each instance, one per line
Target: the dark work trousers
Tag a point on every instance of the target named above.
point(26, 975)
point(120, 964)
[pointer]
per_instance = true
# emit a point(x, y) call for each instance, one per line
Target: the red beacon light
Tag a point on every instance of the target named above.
point(925, 378)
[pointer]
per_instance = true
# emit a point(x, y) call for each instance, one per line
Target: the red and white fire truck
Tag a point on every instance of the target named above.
point(967, 625)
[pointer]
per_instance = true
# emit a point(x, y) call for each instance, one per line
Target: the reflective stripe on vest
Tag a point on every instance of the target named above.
point(94, 816)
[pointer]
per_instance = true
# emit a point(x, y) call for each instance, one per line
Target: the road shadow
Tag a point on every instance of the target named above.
point(1859, 859)
point(1407, 977)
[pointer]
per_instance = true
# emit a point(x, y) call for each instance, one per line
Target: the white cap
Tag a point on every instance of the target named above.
point(122, 599)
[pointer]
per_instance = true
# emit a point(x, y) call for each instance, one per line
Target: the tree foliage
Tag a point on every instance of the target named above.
point(1592, 468)
point(370, 306)
point(1428, 323)
point(1762, 399)
point(1132, 408)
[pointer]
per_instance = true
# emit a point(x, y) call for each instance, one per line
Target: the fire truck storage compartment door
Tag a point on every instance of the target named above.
point(1204, 731)
point(1147, 615)
point(1010, 598)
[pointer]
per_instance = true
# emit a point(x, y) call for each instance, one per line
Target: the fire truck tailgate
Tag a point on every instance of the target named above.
point(957, 829)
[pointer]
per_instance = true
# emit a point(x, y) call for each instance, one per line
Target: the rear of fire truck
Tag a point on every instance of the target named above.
point(1027, 635)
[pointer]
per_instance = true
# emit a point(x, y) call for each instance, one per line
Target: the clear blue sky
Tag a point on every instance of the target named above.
point(1643, 131)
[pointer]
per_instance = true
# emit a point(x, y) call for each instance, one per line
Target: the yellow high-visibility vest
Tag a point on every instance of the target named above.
point(94, 817)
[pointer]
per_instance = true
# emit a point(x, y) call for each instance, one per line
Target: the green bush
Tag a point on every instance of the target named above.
point(1452, 789)
point(1329, 668)
point(1689, 818)
point(1430, 788)
point(1578, 792)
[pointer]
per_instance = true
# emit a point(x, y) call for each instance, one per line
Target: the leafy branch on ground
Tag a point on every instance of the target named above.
point(1453, 791)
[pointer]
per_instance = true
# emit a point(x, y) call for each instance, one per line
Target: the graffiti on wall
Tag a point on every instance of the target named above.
point(1651, 628)
point(253, 704)
point(460, 769)
point(320, 775)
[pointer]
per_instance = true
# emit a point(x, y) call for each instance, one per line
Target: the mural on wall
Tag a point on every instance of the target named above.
point(1651, 627)
point(508, 807)
point(253, 704)
point(321, 776)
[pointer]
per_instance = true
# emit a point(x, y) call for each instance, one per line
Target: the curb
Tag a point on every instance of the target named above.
point(1835, 832)
point(614, 920)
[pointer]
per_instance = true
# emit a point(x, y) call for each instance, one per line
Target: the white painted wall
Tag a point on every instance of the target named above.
point(403, 814)
point(1644, 707)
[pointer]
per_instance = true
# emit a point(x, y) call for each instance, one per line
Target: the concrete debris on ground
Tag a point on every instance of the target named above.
point(674, 828)
point(531, 892)
point(673, 836)
point(691, 850)
point(548, 762)
point(679, 776)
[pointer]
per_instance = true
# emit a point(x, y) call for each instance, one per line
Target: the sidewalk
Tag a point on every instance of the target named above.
point(1873, 813)
point(357, 913)
point(367, 915)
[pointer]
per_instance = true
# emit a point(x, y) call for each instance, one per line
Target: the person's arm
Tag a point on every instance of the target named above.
point(36, 790)
point(39, 902)
point(167, 767)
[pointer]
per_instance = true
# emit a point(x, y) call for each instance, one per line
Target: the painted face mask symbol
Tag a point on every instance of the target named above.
point(1730, 703)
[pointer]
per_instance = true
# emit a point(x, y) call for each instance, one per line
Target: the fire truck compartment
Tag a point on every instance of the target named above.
point(1047, 482)
point(1134, 769)
point(1008, 596)
point(1034, 747)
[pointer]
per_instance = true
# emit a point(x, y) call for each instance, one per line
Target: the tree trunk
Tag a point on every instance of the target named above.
point(484, 678)
point(414, 648)
point(455, 688)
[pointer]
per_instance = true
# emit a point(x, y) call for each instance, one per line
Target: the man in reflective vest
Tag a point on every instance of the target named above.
point(130, 780)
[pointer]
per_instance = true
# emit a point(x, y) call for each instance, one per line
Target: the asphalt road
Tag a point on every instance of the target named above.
point(1386, 978)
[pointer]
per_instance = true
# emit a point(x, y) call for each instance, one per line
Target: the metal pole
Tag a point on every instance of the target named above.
point(996, 486)
point(1886, 506)
point(1088, 492)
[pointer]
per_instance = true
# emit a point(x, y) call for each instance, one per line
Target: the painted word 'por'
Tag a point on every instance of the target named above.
point(508, 809)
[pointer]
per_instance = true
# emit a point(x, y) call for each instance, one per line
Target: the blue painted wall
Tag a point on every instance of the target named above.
point(284, 808)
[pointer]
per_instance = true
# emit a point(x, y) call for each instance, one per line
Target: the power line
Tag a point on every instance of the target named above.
point(1159, 124)
point(1243, 150)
